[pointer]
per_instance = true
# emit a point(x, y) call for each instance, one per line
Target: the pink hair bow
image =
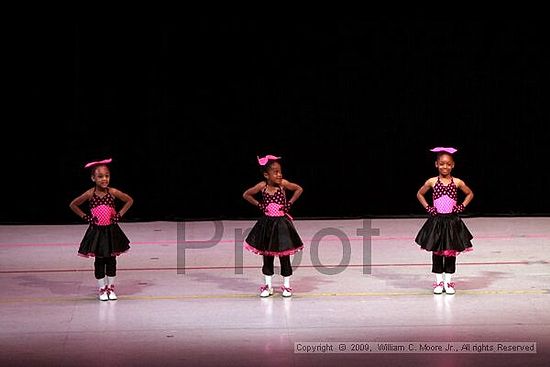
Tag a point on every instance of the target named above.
point(263, 161)
point(443, 149)
point(91, 164)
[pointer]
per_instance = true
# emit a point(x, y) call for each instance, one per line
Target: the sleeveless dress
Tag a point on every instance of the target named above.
point(444, 234)
point(103, 238)
point(274, 234)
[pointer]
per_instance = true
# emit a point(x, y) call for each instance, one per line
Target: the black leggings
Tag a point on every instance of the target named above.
point(443, 264)
point(286, 268)
point(105, 265)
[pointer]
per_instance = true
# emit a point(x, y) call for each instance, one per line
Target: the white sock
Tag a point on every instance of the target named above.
point(438, 278)
point(268, 280)
point(111, 280)
point(448, 278)
point(286, 282)
point(101, 283)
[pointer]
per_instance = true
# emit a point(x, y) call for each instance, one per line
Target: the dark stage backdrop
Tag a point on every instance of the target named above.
point(352, 106)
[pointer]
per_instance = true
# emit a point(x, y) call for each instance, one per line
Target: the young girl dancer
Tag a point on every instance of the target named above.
point(444, 233)
point(103, 239)
point(274, 234)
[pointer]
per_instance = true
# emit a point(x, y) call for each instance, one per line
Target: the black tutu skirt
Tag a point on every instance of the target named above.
point(445, 234)
point(103, 241)
point(274, 236)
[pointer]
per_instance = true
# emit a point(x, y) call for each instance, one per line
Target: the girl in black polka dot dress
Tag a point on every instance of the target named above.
point(274, 234)
point(103, 239)
point(444, 233)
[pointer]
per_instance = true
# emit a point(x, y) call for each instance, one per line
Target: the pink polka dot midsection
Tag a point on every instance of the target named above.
point(274, 210)
point(104, 214)
point(444, 204)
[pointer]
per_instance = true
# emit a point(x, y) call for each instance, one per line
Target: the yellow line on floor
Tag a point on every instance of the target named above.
point(277, 295)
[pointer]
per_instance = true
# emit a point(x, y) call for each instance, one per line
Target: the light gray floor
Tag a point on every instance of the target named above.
point(191, 303)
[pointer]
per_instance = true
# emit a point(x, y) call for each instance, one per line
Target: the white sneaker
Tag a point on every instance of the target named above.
point(287, 292)
point(438, 288)
point(103, 295)
point(111, 292)
point(450, 288)
point(265, 291)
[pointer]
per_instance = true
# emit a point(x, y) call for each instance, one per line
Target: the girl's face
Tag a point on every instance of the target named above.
point(445, 164)
point(274, 175)
point(101, 177)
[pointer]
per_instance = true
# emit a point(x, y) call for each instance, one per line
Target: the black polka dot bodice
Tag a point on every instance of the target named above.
point(274, 202)
point(278, 197)
point(439, 190)
point(103, 208)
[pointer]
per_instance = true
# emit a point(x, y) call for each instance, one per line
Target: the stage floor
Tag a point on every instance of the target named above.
point(189, 296)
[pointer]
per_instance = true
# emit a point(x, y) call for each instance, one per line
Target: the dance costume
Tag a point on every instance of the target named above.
point(274, 234)
point(103, 238)
point(444, 234)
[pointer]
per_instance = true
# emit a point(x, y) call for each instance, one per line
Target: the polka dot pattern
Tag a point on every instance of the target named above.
point(444, 204)
point(274, 202)
point(274, 210)
point(444, 197)
point(439, 190)
point(103, 208)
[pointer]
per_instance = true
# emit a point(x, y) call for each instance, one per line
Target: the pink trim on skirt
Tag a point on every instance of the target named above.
point(448, 253)
point(272, 253)
point(91, 254)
